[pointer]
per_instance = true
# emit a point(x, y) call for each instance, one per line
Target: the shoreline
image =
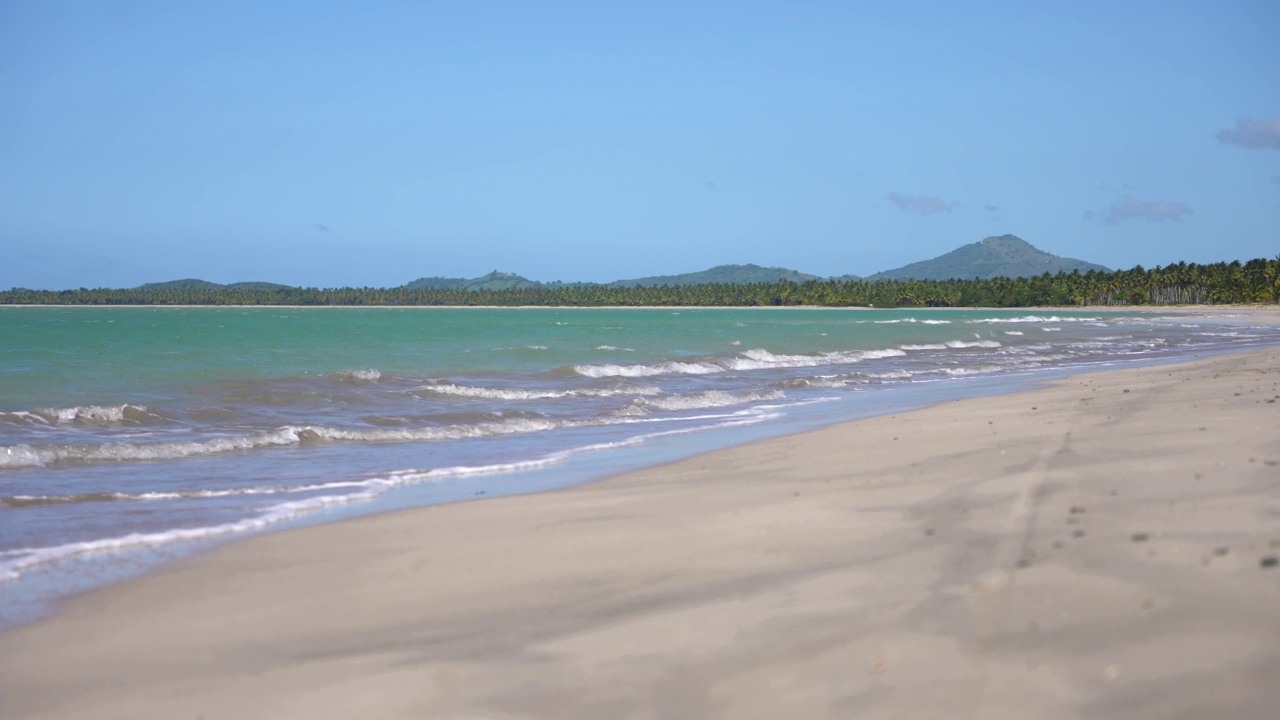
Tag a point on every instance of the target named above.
point(699, 580)
point(1264, 308)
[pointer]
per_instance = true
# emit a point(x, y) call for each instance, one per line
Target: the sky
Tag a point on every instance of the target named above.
point(369, 144)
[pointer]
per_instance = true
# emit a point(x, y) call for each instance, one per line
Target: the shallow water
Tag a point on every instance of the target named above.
point(129, 436)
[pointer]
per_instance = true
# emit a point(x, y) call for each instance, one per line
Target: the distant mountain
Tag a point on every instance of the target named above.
point(187, 284)
point(493, 281)
point(1006, 255)
point(194, 284)
point(721, 274)
point(257, 286)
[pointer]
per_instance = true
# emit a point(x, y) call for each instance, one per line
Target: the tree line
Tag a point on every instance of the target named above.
point(1255, 281)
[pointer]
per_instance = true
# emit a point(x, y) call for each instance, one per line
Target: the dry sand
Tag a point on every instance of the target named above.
point(1102, 547)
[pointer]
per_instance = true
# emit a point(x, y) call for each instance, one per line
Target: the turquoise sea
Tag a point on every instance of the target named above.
point(132, 436)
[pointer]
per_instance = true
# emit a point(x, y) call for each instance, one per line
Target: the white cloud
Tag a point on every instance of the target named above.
point(920, 204)
point(1151, 210)
point(1256, 135)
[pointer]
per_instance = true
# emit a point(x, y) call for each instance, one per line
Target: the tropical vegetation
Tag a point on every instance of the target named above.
point(1255, 281)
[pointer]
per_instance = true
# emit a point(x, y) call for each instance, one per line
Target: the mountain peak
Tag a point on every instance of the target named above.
point(721, 274)
point(496, 280)
point(995, 256)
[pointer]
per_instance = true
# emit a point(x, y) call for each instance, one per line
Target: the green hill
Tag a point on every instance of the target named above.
point(1003, 256)
point(186, 284)
point(194, 284)
point(722, 274)
point(493, 281)
point(257, 286)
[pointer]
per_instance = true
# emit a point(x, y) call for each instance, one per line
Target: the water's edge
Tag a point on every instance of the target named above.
point(41, 595)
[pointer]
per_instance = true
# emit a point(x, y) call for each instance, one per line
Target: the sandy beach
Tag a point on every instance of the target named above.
point(1106, 546)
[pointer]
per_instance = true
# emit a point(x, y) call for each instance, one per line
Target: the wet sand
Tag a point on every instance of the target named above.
point(1106, 546)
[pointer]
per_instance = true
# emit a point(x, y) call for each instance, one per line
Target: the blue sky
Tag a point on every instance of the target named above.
point(327, 144)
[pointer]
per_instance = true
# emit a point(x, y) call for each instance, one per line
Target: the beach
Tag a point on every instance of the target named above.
point(1103, 546)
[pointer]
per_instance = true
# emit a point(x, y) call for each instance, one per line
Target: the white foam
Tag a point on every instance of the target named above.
point(37, 455)
point(366, 375)
point(24, 416)
point(976, 343)
point(926, 346)
point(1036, 319)
point(1012, 332)
point(487, 393)
point(759, 359)
point(709, 399)
point(820, 382)
point(665, 368)
point(27, 558)
point(961, 371)
point(98, 414)
point(892, 375)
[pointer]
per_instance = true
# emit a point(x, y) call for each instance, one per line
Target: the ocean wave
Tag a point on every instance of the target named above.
point(18, 456)
point(18, 501)
point(360, 376)
point(816, 382)
point(976, 343)
point(670, 367)
point(19, 560)
point(962, 371)
point(926, 321)
point(759, 359)
point(754, 359)
point(1035, 319)
point(491, 393)
point(26, 558)
point(709, 399)
point(87, 415)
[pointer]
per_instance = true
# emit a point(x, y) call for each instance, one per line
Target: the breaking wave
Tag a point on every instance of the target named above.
point(125, 414)
point(363, 376)
point(665, 368)
point(709, 399)
point(491, 393)
point(1035, 319)
point(26, 558)
point(18, 456)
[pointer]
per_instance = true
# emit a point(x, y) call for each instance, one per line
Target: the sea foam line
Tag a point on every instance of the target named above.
point(17, 456)
point(754, 359)
point(491, 393)
point(24, 559)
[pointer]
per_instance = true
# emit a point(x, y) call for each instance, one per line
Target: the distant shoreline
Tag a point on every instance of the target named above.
point(1055, 308)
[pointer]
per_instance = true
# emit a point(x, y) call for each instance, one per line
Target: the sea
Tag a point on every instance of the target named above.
point(134, 436)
